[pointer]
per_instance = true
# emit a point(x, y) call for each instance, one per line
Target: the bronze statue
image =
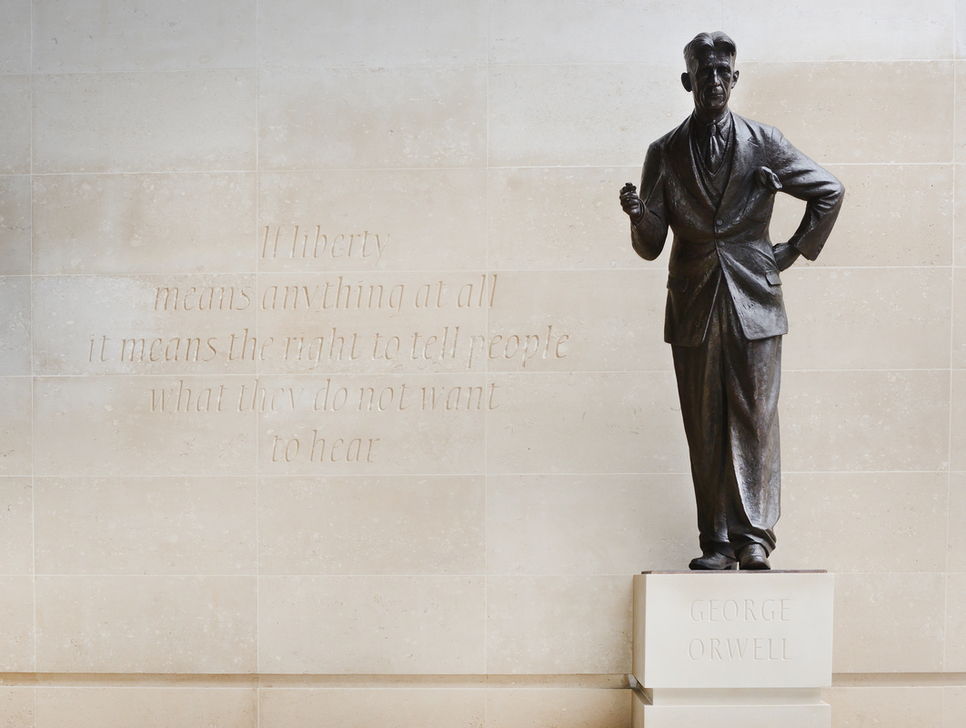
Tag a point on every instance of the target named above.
point(713, 180)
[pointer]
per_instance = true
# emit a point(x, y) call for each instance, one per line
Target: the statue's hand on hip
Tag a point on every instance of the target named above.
point(785, 255)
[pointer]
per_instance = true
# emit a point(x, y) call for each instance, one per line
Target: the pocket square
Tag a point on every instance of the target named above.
point(769, 179)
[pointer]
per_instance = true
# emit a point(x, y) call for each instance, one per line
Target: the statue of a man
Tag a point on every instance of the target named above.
point(713, 180)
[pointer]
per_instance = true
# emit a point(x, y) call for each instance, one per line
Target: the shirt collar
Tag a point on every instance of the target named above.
point(724, 122)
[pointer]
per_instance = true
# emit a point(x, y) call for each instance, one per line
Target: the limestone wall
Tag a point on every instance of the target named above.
point(332, 393)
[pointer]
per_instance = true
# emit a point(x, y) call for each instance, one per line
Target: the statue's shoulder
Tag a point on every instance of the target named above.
point(678, 131)
point(662, 143)
point(757, 130)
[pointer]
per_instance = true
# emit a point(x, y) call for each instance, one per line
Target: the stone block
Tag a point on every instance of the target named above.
point(733, 630)
point(723, 715)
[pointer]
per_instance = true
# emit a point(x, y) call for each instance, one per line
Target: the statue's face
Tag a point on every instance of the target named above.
point(711, 82)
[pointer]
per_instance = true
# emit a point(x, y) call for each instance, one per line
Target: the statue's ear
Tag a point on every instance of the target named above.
point(734, 79)
point(686, 81)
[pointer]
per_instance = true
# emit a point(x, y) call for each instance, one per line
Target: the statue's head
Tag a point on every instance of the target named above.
point(711, 74)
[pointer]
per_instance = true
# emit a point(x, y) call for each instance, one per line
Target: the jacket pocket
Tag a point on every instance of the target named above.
point(772, 278)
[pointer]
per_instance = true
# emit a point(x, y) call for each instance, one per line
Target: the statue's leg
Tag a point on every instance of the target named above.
point(699, 378)
point(753, 379)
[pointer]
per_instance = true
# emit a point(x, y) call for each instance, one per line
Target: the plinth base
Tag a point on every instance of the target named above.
point(727, 714)
point(762, 629)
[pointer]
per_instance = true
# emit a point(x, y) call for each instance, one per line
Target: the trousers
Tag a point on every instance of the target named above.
point(728, 388)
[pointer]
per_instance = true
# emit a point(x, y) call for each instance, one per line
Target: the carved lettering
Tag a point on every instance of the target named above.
point(309, 242)
point(324, 396)
point(728, 648)
point(176, 348)
point(184, 399)
point(546, 344)
point(330, 295)
point(735, 649)
point(324, 449)
point(316, 350)
point(746, 610)
point(336, 324)
point(202, 298)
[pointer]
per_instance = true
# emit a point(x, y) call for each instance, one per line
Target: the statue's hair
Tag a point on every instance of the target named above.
point(704, 42)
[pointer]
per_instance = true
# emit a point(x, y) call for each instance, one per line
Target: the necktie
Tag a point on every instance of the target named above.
point(715, 147)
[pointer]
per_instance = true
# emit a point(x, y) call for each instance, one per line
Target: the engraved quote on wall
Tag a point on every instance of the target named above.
point(348, 357)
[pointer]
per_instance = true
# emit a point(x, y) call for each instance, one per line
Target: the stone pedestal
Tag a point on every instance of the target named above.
point(729, 649)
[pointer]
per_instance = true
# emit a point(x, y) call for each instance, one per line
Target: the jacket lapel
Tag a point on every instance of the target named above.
point(684, 165)
point(742, 162)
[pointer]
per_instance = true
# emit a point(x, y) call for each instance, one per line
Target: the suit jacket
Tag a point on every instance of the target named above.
point(728, 244)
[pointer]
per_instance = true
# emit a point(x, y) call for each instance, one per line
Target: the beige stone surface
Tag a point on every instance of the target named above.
point(145, 525)
point(852, 318)
point(755, 715)
point(569, 321)
point(371, 525)
point(380, 322)
point(16, 707)
point(387, 117)
point(599, 524)
point(364, 707)
point(15, 36)
point(894, 215)
point(957, 454)
point(376, 425)
point(959, 146)
point(404, 220)
point(14, 225)
point(839, 522)
point(153, 707)
point(850, 99)
point(559, 707)
point(572, 32)
point(959, 239)
point(371, 624)
point(864, 420)
point(16, 426)
point(554, 218)
point(142, 35)
point(955, 656)
point(152, 324)
point(17, 618)
point(954, 707)
point(724, 630)
point(558, 624)
point(885, 707)
point(959, 318)
point(601, 423)
point(144, 223)
point(102, 426)
point(536, 120)
point(16, 526)
point(15, 329)
point(310, 34)
point(152, 624)
point(889, 622)
point(15, 126)
point(144, 122)
point(956, 535)
point(491, 529)
point(827, 30)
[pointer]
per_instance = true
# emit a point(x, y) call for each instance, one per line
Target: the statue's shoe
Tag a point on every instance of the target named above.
point(713, 562)
point(753, 558)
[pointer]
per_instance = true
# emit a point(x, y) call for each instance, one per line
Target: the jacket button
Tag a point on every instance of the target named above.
point(719, 223)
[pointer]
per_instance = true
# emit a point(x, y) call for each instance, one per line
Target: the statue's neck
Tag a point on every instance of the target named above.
point(706, 117)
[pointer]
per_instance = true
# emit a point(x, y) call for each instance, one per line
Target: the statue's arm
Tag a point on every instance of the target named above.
point(821, 191)
point(647, 213)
